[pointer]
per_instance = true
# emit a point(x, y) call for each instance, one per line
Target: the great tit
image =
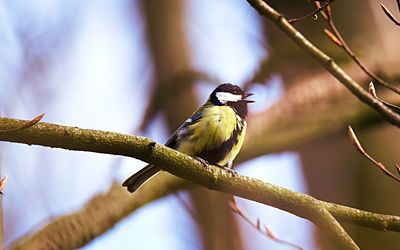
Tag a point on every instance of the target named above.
point(214, 134)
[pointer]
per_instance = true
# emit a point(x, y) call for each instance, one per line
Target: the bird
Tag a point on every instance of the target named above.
point(214, 134)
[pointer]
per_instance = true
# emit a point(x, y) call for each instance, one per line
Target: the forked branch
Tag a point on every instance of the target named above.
point(337, 38)
point(264, 9)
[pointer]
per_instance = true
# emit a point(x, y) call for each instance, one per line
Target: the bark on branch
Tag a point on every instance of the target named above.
point(186, 167)
point(276, 124)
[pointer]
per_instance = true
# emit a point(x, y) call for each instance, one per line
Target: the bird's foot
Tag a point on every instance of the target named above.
point(230, 171)
point(202, 161)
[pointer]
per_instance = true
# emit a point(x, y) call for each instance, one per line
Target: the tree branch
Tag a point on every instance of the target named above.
point(360, 149)
point(329, 64)
point(337, 38)
point(295, 119)
point(164, 184)
point(184, 166)
point(312, 14)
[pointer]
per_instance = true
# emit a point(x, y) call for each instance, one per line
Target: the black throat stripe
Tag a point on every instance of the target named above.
point(240, 108)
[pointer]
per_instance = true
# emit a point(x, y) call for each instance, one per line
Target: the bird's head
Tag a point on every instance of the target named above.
point(226, 94)
point(231, 95)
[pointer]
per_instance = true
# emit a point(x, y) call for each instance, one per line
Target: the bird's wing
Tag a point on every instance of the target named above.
point(182, 130)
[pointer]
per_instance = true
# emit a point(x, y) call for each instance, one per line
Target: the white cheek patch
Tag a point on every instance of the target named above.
point(224, 97)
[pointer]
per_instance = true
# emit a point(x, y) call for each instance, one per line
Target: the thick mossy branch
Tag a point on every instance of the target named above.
point(186, 167)
point(180, 165)
point(276, 124)
point(264, 9)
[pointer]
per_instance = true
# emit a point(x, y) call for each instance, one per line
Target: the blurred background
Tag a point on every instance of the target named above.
point(142, 67)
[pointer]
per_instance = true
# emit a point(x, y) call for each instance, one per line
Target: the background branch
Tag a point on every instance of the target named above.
point(77, 229)
point(338, 39)
point(380, 165)
point(262, 229)
point(265, 10)
point(174, 85)
point(389, 13)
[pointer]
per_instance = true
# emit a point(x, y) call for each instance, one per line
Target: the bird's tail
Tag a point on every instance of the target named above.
point(136, 180)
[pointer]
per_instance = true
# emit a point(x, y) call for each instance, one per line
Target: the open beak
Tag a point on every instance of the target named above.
point(247, 95)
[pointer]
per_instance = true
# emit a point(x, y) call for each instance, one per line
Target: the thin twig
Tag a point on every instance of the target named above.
point(318, 5)
point(264, 230)
point(398, 4)
point(372, 91)
point(266, 10)
point(359, 147)
point(3, 182)
point(389, 14)
point(317, 10)
point(328, 17)
point(333, 38)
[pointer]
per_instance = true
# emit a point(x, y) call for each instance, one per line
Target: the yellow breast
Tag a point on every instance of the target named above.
point(214, 128)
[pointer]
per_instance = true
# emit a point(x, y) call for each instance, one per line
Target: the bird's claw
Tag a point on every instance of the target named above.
point(230, 171)
point(206, 164)
point(202, 161)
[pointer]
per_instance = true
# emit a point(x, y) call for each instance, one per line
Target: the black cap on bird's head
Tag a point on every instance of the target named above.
point(231, 95)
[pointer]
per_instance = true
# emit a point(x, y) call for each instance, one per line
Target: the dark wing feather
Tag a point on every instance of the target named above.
point(174, 138)
point(136, 180)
